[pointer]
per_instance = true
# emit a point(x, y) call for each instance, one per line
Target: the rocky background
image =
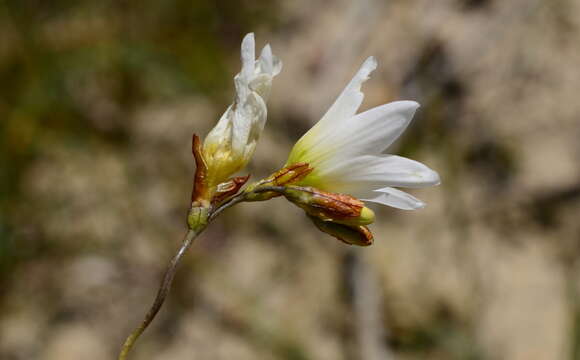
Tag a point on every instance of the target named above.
point(98, 100)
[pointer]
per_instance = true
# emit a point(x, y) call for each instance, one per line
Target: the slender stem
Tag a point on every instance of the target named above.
point(261, 189)
point(241, 197)
point(172, 268)
point(231, 202)
point(168, 279)
point(161, 295)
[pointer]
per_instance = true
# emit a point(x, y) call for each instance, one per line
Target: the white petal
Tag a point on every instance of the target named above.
point(373, 131)
point(261, 84)
point(221, 133)
point(276, 65)
point(268, 63)
point(249, 120)
point(248, 57)
point(351, 97)
point(336, 118)
point(257, 110)
point(395, 198)
point(368, 133)
point(368, 171)
point(265, 63)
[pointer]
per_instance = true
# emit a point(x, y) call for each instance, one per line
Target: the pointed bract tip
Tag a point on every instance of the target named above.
point(195, 143)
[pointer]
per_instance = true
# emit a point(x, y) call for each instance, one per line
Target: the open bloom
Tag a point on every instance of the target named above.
point(230, 144)
point(346, 150)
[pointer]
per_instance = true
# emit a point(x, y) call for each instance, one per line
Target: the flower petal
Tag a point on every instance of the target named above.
point(374, 130)
point(395, 198)
point(248, 57)
point(369, 171)
point(368, 133)
point(322, 135)
point(220, 135)
point(268, 63)
point(351, 97)
point(249, 120)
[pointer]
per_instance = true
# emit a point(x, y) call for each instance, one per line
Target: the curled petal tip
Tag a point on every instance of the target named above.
point(371, 63)
point(248, 55)
point(409, 104)
point(432, 178)
point(267, 51)
point(248, 37)
point(416, 206)
point(248, 43)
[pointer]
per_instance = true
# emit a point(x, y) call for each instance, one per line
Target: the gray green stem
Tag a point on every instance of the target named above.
point(168, 277)
point(161, 294)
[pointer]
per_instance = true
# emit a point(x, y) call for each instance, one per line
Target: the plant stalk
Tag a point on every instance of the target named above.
point(168, 277)
point(161, 294)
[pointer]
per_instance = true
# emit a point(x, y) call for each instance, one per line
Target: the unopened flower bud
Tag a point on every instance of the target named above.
point(338, 208)
point(229, 146)
point(352, 235)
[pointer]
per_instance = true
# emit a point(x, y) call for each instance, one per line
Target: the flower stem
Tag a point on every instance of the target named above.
point(168, 277)
point(161, 294)
point(229, 203)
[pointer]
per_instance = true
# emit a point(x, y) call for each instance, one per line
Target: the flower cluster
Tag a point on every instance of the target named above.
point(331, 171)
point(331, 168)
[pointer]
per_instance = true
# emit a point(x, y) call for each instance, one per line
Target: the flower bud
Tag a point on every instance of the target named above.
point(229, 146)
point(338, 208)
point(351, 235)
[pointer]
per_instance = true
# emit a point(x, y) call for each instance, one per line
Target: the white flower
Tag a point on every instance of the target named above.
point(346, 149)
point(230, 145)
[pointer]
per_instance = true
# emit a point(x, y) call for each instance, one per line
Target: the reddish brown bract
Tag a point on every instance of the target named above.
point(290, 174)
point(199, 182)
point(229, 188)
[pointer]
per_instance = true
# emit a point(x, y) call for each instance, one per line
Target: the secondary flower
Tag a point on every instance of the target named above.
point(230, 144)
point(346, 150)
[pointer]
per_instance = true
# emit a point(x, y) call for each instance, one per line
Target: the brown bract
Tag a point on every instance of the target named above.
point(351, 235)
point(290, 174)
point(325, 205)
point(228, 189)
point(198, 197)
point(281, 178)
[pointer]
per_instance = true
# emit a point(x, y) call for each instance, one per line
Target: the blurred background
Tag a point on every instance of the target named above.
point(98, 100)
